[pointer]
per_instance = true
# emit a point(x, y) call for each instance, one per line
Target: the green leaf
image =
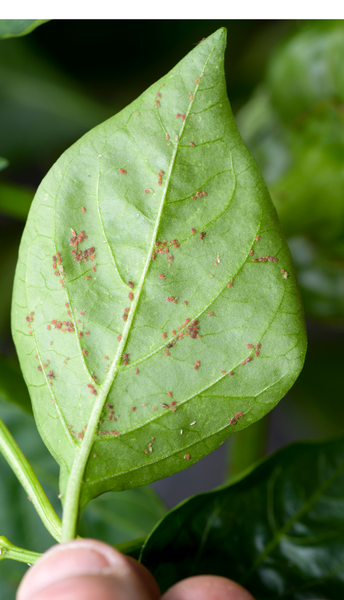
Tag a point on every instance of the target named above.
point(119, 517)
point(17, 27)
point(15, 200)
point(12, 385)
point(3, 163)
point(279, 531)
point(106, 174)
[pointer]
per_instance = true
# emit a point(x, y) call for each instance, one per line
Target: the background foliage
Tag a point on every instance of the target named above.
point(286, 87)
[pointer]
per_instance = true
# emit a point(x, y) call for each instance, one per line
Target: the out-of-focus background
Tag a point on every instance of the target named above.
point(286, 86)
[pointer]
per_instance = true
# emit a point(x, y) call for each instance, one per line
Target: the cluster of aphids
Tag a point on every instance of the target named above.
point(80, 255)
point(192, 331)
point(234, 420)
point(63, 325)
point(29, 319)
point(199, 194)
point(163, 248)
point(266, 258)
point(58, 267)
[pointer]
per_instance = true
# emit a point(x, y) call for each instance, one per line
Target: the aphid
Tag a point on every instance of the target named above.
point(187, 456)
point(125, 359)
point(170, 394)
point(40, 368)
point(85, 352)
point(230, 284)
point(231, 373)
point(164, 335)
point(192, 144)
point(257, 238)
point(201, 235)
point(243, 362)
point(190, 96)
point(146, 451)
point(248, 359)
point(251, 252)
point(193, 230)
point(48, 327)
point(210, 314)
point(153, 256)
point(136, 371)
point(122, 171)
point(223, 372)
point(157, 103)
point(183, 117)
point(119, 337)
point(86, 332)
point(185, 302)
point(258, 346)
point(232, 421)
point(165, 405)
point(161, 276)
point(178, 115)
point(256, 353)
point(158, 95)
point(131, 296)
point(173, 403)
point(249, 346)
point(83, 209)
point(124, 317)
point(167, 136)
point(130, 284)
point(133, 408)
point(82, 312)
point(197, 80)
point(286, 275)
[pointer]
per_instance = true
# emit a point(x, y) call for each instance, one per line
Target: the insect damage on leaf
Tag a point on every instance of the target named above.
point(149, 205)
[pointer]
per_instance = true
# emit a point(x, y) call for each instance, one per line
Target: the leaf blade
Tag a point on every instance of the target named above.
point(112, 171)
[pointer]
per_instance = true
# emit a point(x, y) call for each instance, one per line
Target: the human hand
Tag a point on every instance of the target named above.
point(88, 570)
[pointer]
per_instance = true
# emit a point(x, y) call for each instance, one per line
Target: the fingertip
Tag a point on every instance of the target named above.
point(207, 587)
point(80, 565)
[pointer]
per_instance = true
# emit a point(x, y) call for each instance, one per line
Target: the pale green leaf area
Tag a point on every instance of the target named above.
point(17, 27)
point(126, 430)
point(278, 530)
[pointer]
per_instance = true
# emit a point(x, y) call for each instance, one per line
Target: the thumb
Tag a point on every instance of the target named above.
point(84, 570)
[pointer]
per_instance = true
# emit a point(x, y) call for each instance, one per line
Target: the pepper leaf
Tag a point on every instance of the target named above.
point(277, 533)
point(155, 288)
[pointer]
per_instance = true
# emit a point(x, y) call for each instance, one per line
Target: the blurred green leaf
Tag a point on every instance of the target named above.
point(3, 163)
point(15, 200)
point(12, 385)
point(18, 27)
point(118, 517)
point(279, 530)
point(42, 111)
point(294, 127)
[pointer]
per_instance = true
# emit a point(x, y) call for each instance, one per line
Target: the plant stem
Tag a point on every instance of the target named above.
point(246, 447)
point(8, 550)
point(24, 472)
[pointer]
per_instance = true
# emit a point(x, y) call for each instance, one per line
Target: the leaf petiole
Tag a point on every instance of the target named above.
point(24, 472)
point(8, 550)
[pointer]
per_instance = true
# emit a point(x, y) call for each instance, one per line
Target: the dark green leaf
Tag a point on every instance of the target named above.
point(12, 385)
point(133, 432)
point(118, 517)
point(279, 531)
point(42, 111)
point(15, 200)
point(18, 27)
point(3, 163)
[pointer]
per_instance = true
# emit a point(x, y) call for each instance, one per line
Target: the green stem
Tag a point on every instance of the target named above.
point(8, 550)
point(246, 447)
point(24, 472)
